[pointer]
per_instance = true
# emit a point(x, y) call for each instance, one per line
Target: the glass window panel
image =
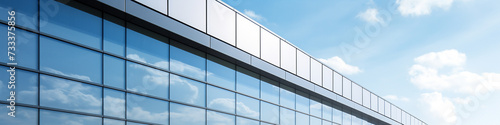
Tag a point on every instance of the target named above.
point(327, 78)
point(187, 61)
point(270, 47)
point(387, 109)
point(302, 102)
point(187, 91)
point(114, 103)
point(396, 113)
point(114, 35)
point(59, 58)
point(186, 115)
point(158, 5)
point(346, 84)
point(25, 87)
point(247, 35)
point(337, 114)
point(327, 122)
point(147, 80)
point(133, 123)
point(301, 119)
point(315, 107)
point(26, 45)
point(216, 118)
point(356, 120)
point(114, 72)
point(23, 115)
point(287, 97)
point(70, 95)
point(303, 65)
point(191, 12)
point(270, 90)
point(270, 113)
point(327, 110)
point(346, 118)
point(337, 83)
point(59, 118)
point(247, 82)
point(357, 93)
point(221, 73)
point(72, 21)
point(221, 100)
point(113, 122)
point(147, 47)
point(315, 121)
point(381, 105)
point(221, 22)
point(366, 98)
point(287, 117)
point(288, 57)
point(316, 75)
point(246, 106)
point(244, 121)
point(374, 101)
point(26, 12)
point(154, 111)
point(263, 123)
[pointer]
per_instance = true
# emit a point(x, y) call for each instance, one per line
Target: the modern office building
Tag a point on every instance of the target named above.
point(169, 62)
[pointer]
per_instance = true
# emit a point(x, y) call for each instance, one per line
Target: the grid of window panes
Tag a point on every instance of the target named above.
point(80, 65)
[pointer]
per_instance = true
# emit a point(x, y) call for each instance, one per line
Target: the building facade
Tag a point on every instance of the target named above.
point(168, 62)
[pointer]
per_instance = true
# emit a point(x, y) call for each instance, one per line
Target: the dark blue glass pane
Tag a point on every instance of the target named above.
point(244, 121)
point(59, 118)
point(69, 60)
point(221, 100)
point(26, 12)
point(147, 80)
point(287, 117)
point(187, 61)
point(287, 97)
point(187, 91)
point(113, 122)
point(221, 73)
point(246, 106)
point(114, 103)
point(25, 86)
point(186, 115)
point(302, 102)
point(247, 82)
point(269, 90)
point(315, 107)
point(26, 48)
point(114, 35)
point(72, 21)
point(147, 109)
point(23, 116)
point(70, 95)
point(216, 118)
point(147, 47)
point(301, 119)
point(114, 72)
point(270, 113)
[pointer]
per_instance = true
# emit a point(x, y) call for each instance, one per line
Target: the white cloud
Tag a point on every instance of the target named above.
point(444, 58)
point(253, 15)
point(371, 16)
point(339, 65)
point(421, 7)
point(396, 98)
point(440, 107)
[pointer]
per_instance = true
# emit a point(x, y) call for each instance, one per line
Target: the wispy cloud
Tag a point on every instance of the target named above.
point(396, 98)
point(339, 65)
point(253, 15)
point(421, 7)
point(370, 15)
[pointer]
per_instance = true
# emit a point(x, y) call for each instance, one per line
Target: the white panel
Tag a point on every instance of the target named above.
point(387, 109)
point(247, 35)
point(316, 72)
point(221, 22)
point(191, 12)
point(381, 106)
point(327, 78)
point(288, 57)
point(346, 85)
point(366, 98)
point(357, 93)
point(303, 65)
point(158, 5)
point(337, 83)
point(374, 100)
point(270, 47)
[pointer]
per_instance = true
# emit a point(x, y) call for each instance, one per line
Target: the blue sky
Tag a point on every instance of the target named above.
point(436, 59)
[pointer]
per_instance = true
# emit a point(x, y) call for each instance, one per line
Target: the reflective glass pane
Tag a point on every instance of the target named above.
point(191, 12)
point(301, 119)
point(59, 58)
point(327, 78)
point(337, 114)
point(114, 35)
point(72, 21)
point(187, 91)
point(247, 82)
point(23, 115)
point(374, 101)
point(221, 22)
point(26, 46)
point(287, 96)
point(356, 120)
point(270, 47)
point(347, 118)
point(186, 115)
point(113, 122)
point(26, 12)
point(114, 72)
point(147, 80)
point(220, 99)
point(327, 111)
point(187, 61)
point(133, 123)
point(59, 118)
point(216, 118)
point(154, 111)
point(346, 84)
point(288, 57)
point(246, 106)
point(315, 121)
point(327, 122)
point(287, 117)
point(25, 87)
point(70, 95)
point(263, 123)
point(302, 102)
point(114, 103)
point(337, 83)
point(147, 47)
point(158, 5)
point(315, 107)
point(270, 113)
point(269, 90)
point(244, 121)
point(366, 98)
point(247, 35)
point(221, 73)
point(357, 93)
point(316, 75)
